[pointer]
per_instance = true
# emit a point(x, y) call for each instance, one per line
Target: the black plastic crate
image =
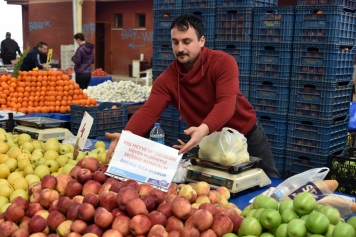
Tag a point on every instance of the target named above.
point(275, 127)
point(167, 4)
point(317, 136)
point(241, 51)
point(162, 20)
point(207, 15)
point(105, 118)
point(279, 159)
point(319, 100)
point(234, 24)
point(273, 24)
point(322, 62)
point(325, 25)
point(199, 4)
point(345, 3)
point(245, 89)
point(254, 3)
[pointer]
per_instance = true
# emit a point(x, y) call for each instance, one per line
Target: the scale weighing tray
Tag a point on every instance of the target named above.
point(44, 134)
point(40, 122)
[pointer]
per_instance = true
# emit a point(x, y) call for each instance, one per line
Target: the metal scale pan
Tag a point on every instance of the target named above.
point(40, 122)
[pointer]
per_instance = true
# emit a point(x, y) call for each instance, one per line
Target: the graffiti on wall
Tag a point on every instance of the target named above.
point(38, 25)
point(131, 34)
point(88, 29)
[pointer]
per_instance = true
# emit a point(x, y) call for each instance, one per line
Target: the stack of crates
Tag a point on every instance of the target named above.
point(170, 124)
point(321, 82)
point(270, 74)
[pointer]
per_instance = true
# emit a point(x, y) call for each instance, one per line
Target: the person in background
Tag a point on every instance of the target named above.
point(37, 57)
point(83, 58)
point(203, 85)
point(9, 47)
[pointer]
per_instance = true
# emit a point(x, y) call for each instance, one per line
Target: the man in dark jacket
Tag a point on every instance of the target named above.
point(36, 58)
point(9, 47)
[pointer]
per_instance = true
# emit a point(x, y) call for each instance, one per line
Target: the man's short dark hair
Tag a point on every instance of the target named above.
point(40, 44)
point(8, 34)
point(183, 22)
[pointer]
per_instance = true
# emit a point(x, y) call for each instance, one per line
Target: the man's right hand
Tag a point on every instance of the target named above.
point(115, 137)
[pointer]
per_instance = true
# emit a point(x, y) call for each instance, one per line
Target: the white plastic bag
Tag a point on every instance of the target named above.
point(179, 177)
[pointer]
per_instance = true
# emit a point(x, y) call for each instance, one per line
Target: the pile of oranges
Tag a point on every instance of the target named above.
point(41, 92)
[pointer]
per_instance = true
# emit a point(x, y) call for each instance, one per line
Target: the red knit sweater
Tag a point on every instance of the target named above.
point(208, 94)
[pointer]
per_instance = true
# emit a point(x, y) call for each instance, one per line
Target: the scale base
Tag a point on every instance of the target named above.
point(235, 183)
point(44, 134)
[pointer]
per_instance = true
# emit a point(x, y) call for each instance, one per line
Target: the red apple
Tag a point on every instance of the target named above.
point(49, 181)
point(86, 212)
point(73, 172)
point(7, 228)
point(236, 221)
point(52, 235)
point(149, 202)
point(63, 204)
point(93, 199)
point(93, 228)
point(193, 211)
point(189, 222)
point(124, 195)
point(72, 213)
point(35, 197)
point(131, 183)
point(103, 218)
point(40, 234)
point(53, 206)
point(23, 232)
point(37, 224)
point(173, 223)
point(202, 220)
point(157, 230)
point(14, 213)
point(48, 196)
point(170, 197)
point(144, 189)
point(43, 213)
point(222, 225)
point(34, 187)
point(103, 167)
point(108, 200)
point(157, 217)
point(79, 163)
point(74, 234)
point(21, 202)
point(84, 175)
point(213, 196)
point(174, 233)
point(166, 209)
point(208, 233)
point(104, 187)
point(140, 225)
point(54, 219)
point(78, 199)
point(112, 233)
point(112, 180)
point(73, 188)
point(121, 223)
point(99, 176)
point(181, 208)
point(90, 163)
point(210, 207)
point(157, 195)
point(136, 206)
point(78, 226)
point(91, 187)
point(32, 209)
point(189, 232)
point(62, 181)
point(117, 212)
point(24, 222)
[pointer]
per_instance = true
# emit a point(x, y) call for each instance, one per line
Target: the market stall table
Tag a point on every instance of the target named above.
point(98, 80)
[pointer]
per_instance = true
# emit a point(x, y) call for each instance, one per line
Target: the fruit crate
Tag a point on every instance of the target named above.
point(343, 169)
point(199, 4)
point(297, 162)
point(317, 136)
point(265, 96)
point(325, 25)
point(253, 3)
point(275, 127)
point(161, 64)
point(207, 15)
point(162, 20)
point(322, 62)
point(273, 24)
point(245, 89)
point(278, 155)
point(241, 51)
point(167, 4)
point(163, 50)
point(319, 100)
point(271, 60)
point(105, 118)
point(234, 24)
point(155, 73)
point(170, 112)
point(345, 3)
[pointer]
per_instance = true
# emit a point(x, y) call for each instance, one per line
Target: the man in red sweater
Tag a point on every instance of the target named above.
point(203, 85)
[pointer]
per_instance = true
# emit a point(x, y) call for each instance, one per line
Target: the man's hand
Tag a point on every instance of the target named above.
point(196, 134)
point(115, 137)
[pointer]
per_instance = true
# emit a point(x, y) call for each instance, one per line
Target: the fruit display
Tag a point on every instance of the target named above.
point(99, 73)
point(41, 92)
point(123, 91)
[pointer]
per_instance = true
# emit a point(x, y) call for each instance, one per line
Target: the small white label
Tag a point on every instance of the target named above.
point(84, 129)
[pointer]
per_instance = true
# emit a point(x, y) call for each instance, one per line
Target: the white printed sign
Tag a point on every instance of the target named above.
point(144, 160)
point(84, 129)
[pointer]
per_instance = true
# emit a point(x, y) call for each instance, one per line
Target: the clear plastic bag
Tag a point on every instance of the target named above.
point(226, 147)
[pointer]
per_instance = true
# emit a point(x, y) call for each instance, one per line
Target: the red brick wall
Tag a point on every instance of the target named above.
point(122, 54)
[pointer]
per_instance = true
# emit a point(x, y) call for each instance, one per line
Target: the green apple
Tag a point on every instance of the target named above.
point(11, 144)
point(245, 211)
point(51, 144)
point(351, 221)
point(81, 155)
point(3, 158)
point(96, 151)
point(13, 176)
point(270, 219)
point(285, 204)
point(343, 230)
point(3, 201)
point(266, 234)
point(19, 192)
point(38, 151)
point(29, 169)
point(317, 223)
point(40, 161)
point(100, 144)
point(26, 151)
point(257, 200)
point(55, 174)
point(251, 213)
point(101, 149)
point(65, 148)
point(62, 160)
point(92, 154)
point(250, 226)
point(258, 213)
point(60, 170)
point(71, 161)
point(22, 138)
point(37, 144)
point(269, 202)
point(51, 155)
point(21, 164)
point(4, 171)
point(23, 156)
point(52, 165)
point(28, 146)
point(318, 206)
point(315, 235)
point(331, 213)
point(41, 171)
point(12, 163)
point(229, 235)
point(3, 209)
point(70, 155)
point(35, 157)
point(329, 233)
point(296, 228)
point(304, 218)
point(32, 178)
point(67, 168)
point(6, 190)
point(102, 157)
point(304, 203)
point(20, 183)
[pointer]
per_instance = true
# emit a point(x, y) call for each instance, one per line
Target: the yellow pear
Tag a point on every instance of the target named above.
point(13, 176)
point(23, 156)
point(21, 164)
point(20, 183)
point(4, 148)
point(22, 138)
point(51, 144)
point(6, 190)
point(2, 137)
point(2, 131)
point(51, 155)
point(12, 163)
point(3, 181)
point(29, 169)
point(3, 208)
point(15, 153)
point(37, 144)
point(35, 157)
point(3, 158)
point(4, 171)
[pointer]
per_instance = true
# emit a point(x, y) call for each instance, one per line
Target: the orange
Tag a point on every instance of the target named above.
point(63, 109)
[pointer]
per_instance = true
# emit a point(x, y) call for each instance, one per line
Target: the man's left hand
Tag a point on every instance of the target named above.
point(196, 134)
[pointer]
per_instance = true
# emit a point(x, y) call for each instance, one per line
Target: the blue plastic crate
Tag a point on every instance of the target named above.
point(267, 97)
point(322, 62)
point(156, 73)
point(199, 4)
point(271, 60)
point(319, 100)
point(163, 50)
point(161, 64)
point(317, 136)
point(273, 24)
point(275, 127)
point(345, 3)
point(245, 89)
point(207, 15)
point(241, 52)
point(170, 112)
point(162, 20)
point(238, 3)
point(234, 24)
point(167, 4)
point(325, 25)
point(105, 118)
point(183, 125)
point(278, 155)
point(297, 162)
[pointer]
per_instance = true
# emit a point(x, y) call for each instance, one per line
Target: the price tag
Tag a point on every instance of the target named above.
point(84, 130)
point(144, 160)
point(49, 56)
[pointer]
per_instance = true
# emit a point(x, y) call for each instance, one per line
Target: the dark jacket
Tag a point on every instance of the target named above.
point(83, 58)
point(8, 49)
point(33, 59)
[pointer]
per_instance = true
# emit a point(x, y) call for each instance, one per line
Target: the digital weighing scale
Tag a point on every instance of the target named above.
point(42, 128)
point(235, 178)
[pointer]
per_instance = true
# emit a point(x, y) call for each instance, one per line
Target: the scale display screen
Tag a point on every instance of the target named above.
point(210, 179)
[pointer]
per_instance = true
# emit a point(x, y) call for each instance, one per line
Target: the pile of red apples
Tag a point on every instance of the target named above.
point(88, 203)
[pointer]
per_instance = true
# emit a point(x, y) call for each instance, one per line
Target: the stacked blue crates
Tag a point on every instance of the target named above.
point(321, 82)
point(270, 73)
